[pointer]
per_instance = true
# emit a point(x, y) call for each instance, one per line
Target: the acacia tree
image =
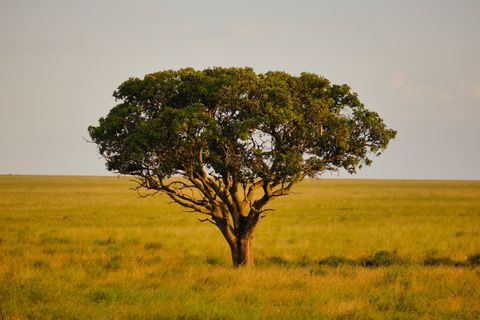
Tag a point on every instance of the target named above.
point(224, 142)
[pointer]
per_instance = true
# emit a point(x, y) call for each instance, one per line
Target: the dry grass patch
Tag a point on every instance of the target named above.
point(89, 248)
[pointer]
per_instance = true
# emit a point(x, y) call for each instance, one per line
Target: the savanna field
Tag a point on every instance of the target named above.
point(90, 248)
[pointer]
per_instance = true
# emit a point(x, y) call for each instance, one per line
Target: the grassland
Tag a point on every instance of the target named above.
point(89, 248)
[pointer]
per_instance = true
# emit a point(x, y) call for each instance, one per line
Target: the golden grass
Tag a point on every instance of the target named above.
point(89, 248)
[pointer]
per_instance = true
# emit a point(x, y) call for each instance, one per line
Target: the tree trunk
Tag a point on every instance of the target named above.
point(242, 254)
point(240, 239)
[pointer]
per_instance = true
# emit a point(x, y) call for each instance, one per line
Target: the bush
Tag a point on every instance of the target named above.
point(335, 261)
point(152, 246)
point(303, 261)
point(431, 260)
point(474, 260)
point(382, 258)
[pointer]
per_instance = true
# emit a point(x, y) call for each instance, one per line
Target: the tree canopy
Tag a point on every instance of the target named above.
point(236, 138)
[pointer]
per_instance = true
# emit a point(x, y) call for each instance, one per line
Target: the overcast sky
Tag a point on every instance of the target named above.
point(417, 63)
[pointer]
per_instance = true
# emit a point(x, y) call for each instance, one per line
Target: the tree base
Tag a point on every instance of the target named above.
point(242, 253)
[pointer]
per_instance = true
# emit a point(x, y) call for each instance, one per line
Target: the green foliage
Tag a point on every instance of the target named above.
point(232, 120)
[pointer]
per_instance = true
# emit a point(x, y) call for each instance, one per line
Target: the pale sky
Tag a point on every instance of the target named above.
point(417, 63)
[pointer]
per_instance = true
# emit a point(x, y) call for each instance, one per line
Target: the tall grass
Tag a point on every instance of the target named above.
point(90, 248)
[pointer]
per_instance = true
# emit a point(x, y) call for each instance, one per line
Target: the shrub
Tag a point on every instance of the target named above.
point(303, 261)
point(431, 260)
point(382, 258)
point(152, 246)
point(474, 260)
point(335, 261)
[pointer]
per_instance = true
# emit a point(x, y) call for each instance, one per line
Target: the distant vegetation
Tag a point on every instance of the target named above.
point(88, 248)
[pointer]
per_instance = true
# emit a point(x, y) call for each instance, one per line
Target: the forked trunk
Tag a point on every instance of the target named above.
point(240, 238)
point(242, 254)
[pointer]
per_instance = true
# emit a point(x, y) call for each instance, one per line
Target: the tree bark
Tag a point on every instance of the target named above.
point(242, 253)
point(239, 237)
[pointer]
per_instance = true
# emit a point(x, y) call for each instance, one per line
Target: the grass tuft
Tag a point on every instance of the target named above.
point(152, 246)
point(48, 239)
point(213, 260)
point(105, 242)
point(100, 295)
point(40, 264)
point(113, 263)
point(277, 260)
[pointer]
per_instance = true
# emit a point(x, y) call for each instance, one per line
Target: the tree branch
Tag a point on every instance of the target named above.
point(187, 204)
point(208, 220)
point(251, 191)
